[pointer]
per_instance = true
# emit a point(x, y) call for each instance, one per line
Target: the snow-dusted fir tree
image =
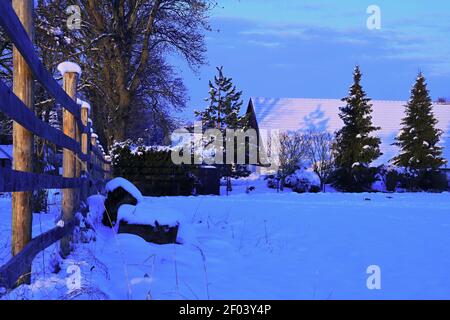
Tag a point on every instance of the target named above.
point(355, 146)
point(418, 140)
point(223, 112)
point(224, 105)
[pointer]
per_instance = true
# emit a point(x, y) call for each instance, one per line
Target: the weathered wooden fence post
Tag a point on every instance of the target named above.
point(89, 151)
point(78, 164)
point(94, 163)
point(85, 107)
point(70, 73)
point(22, 138)
point(104, 166)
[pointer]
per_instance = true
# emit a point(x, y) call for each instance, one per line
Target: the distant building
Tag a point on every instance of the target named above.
point(6, 156)
point(323, 114)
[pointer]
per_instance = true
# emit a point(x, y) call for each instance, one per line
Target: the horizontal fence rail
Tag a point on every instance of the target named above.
point(11, 106)
point(17, 181)
point(20, 264)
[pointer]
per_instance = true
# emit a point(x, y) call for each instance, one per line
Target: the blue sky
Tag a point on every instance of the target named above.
point(308, 48)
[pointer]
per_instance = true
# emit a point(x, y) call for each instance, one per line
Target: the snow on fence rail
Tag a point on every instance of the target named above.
point(83, 160)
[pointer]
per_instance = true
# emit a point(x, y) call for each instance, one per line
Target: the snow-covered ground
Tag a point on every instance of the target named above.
point(265, 245)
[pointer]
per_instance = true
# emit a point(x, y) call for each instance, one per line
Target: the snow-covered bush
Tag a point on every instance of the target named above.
point(397, 178)
point(359, 178)
point(272, 181)
point(388, 179)
point(425, 180)
point(303, 181)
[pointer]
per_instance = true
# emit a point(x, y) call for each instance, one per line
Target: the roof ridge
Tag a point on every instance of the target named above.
point(325, 99)
point(403, 102)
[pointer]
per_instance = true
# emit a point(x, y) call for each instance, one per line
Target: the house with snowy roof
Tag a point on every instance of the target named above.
point(285, 114)
point(6, 156)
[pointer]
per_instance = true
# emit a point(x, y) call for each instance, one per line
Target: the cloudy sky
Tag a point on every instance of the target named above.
point(308, 48)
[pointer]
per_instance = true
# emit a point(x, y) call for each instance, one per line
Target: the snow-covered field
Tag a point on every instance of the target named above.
point(264, 245)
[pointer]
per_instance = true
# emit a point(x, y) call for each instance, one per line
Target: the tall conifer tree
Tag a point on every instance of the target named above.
point(223, 113)
point(419, 138)
point(224, 105)
point(356, 146)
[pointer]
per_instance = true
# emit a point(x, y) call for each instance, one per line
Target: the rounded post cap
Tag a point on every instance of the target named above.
point(69, 67)
point(84, 105)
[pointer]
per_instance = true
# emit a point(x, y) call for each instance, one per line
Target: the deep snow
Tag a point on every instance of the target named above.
point(147, 212)
point(265, 245)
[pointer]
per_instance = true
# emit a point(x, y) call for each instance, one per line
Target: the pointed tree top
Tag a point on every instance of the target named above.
point(420, 76)
point(220, 69)
point(357, 73)
point(420, 83)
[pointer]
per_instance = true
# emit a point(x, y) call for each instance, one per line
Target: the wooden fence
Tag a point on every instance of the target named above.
point(84, 164)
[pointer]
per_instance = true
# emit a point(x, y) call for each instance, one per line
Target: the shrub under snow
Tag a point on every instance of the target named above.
point(303, 180)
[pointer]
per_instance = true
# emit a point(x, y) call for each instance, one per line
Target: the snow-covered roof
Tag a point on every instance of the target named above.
point(286, 114)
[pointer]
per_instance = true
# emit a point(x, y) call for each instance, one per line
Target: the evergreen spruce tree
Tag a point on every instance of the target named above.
point(355, 146)
point(223, 112)
point(224, 105)
point(419, 138)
